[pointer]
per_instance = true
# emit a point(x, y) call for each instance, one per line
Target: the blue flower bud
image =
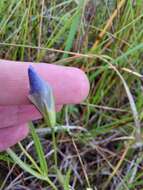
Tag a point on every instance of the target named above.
point(37, 84)
point(41, 95)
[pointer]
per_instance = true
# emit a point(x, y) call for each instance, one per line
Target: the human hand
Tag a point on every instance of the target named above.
point(70, 86)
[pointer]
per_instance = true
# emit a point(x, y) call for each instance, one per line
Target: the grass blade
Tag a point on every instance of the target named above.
point(39, 151)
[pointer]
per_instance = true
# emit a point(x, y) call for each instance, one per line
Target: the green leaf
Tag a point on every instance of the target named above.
point(73, 29)
point(64, 180)
point(39, 150)
point(23, 165)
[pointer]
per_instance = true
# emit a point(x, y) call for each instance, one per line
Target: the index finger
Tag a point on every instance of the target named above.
point(70, 85)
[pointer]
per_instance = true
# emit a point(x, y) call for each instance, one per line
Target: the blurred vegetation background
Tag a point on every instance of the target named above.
point(105, 39)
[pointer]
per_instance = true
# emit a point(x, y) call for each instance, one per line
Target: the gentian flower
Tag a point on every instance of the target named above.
point(41, 95)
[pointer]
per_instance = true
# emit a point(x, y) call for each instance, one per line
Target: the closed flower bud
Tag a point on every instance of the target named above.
point(41, 95)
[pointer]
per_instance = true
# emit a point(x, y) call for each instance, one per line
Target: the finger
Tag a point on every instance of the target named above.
point(17, 115)
point(70, 85)
point(11, 135)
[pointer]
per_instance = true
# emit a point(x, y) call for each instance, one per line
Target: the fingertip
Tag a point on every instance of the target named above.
point(70, 84)
point(82, 86)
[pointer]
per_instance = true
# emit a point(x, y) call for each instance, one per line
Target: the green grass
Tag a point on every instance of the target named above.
point(54, 32)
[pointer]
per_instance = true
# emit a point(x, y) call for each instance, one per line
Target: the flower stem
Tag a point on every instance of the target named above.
point(54, 147)
point(53, 140)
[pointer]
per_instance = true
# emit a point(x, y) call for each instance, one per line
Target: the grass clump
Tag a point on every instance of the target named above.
point(105, 39)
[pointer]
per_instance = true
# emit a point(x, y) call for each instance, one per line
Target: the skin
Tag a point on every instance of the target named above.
point(70, 86)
